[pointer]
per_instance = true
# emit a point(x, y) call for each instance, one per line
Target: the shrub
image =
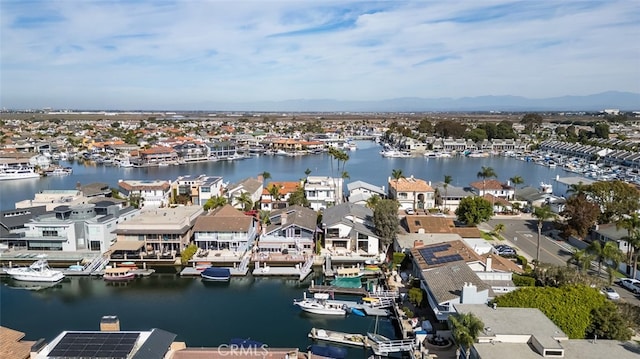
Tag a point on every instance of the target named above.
point(188, 253)
point(523, 262)
point(398, 258)
point(523, 280)
point(408, 312)
point(415, 296)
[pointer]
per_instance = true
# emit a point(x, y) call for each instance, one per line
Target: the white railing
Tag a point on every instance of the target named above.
point(306, 268)
point(244, 264)
point(393, 346)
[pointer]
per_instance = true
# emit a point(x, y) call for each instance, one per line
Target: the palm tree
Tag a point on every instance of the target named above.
point(447, 181)
point(265, 175)
point(516, 180)
point(274, 191)
point(465, 328)
point(498, 229)
point(581, 258)
point(614, 255)
point(245, 200)
point(307, 172)
point(397, 174)
point(632, 225)
point(214, 202)
point(484, 173)
point(603, 253)
point(345, 175)
point(541, 214)
point(577, 188)
point(373, 201)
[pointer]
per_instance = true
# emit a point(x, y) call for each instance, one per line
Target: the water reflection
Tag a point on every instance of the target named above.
point(34, 286)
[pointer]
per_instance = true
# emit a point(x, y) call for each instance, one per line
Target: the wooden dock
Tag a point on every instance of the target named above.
point(330, 336)
point(337, 290)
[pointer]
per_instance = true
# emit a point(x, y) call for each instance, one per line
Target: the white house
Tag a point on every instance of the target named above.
point(412, 193)
point(225, 228)
point(152, 193)
point(360, 192)
point(350, 227)
point(323, 192)
point(199, 188)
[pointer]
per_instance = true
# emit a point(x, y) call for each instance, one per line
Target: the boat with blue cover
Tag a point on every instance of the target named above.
point(216, 273)
point(328, 351)
point(245, 343)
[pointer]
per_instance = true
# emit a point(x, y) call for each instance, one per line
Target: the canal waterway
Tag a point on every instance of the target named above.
point(203, 314)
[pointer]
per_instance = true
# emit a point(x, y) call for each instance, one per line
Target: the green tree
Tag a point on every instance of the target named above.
point(244, 199)
point(609, 252)
point(385, 220)
point(447, 181)
point(531, 121)
point(581, 258)
point(580, 214)
point(499, 228)
point(188, 253)
point(214, 202)
point(396, 174)
point(484, 173)
point(632, 225)
point(516, 180)
point(569, 307)
point(465, 328)
point(265, 175)
point(474, 210)
point(425, 126)
point(274, 191)
point(307, 172)
point(541, 214)
point(601, 130)
point(608, 323)
point(298, 197)
point(577, 188)
point(373, 201)
point(616, 199)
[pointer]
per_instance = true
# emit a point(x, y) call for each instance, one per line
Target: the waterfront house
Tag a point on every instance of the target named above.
point(291, 230)
point(79, 227)
point(494, 188)
point(323, 192)
point(150, 193)
point(349, 228)
point(156, 231)
point(271, 199)
point(225, 228)
point(156, 155)
point(198, 189)
point(448, 199)
point(360, 192)
point(412, 193)
point(446, 278)
point(220, 150)
point(192, 151)
point(13, 224)
point(253, 187)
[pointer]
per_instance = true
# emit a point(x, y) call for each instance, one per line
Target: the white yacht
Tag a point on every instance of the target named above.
point(320, 304)
point(39, 271)
point(16, 173)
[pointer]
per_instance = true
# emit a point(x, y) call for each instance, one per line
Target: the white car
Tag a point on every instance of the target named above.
point(410, 211)
point(610, 293)
point(631, 284)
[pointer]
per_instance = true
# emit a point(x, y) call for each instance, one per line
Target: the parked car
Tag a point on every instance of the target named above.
point(630, 284)
point(505, 250)
point(410, 211)
point(610, 293)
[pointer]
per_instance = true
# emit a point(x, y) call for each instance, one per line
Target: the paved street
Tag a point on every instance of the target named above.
point(522, 233)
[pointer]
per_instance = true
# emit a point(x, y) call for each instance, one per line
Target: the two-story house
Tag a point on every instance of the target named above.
point(323, 192)
point(291, 230)
point(150, 193)
point(276, 194)
point(493, 187)
point(412, 193)
point(349, 227)
point(225, 228)
point(251, 186)
point(360, 192)
point(199, 189)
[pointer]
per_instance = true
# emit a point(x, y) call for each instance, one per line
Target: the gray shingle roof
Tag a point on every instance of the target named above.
point(337, 214)
point(446, 282)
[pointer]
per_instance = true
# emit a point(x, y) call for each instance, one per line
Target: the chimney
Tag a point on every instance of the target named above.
point(109, 323)
point(260, 178)
point(283, 218)
point(418, 243)
point(488, 264)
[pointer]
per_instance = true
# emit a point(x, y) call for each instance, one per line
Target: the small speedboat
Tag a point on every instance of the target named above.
point(216, 273)
point(328, 351)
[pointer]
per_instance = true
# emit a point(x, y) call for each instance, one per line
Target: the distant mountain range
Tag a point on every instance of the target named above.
point(625, 101)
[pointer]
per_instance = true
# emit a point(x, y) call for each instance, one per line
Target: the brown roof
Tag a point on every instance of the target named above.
point(224, 219)
point(157, 149)
point(129, 187)
point(12, 346)
point(467, 232)
point(490, 185)
point(500, 263)
point(452, 248)
point(410, 184)
point(284, 187)
point(429, 224)
point(497, 200)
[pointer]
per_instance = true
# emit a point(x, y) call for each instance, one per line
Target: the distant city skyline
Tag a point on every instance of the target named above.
point(191, 55)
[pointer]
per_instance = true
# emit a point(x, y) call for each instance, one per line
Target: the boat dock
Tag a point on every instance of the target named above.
point(331, 336)
point(314, 288)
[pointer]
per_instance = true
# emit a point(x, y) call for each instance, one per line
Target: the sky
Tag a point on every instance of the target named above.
point(191, 54)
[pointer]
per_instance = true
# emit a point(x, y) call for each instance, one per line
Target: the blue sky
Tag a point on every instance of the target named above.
point(193, 53)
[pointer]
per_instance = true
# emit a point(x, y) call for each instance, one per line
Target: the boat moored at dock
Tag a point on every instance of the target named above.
point(320, 304)
point(216, 274)
point(119, 274)
point(39, 271)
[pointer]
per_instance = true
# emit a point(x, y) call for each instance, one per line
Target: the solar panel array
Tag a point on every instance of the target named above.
point(112, 345)
point(429, 255)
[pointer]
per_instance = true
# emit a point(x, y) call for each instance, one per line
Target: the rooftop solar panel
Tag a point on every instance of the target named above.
point(95, 345)
point(430, 257)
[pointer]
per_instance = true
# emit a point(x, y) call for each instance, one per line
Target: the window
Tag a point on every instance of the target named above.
point(403, 195)
point(49, 233)
point(205, 189)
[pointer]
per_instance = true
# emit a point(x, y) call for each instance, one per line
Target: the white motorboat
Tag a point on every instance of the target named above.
point(39, 271)
point(320, 304)
point(15, 173)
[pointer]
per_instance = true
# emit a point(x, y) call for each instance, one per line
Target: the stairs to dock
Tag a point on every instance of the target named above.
point(384, 348)
point(305, 270)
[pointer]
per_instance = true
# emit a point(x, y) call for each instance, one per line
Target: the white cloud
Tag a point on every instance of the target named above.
point(145, 55)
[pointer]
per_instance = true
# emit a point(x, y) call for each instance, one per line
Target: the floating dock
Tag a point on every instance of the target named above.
point(330, 336)
point(337, 290)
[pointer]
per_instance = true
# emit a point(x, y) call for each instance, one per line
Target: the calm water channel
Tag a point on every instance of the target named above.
point(208, 315)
